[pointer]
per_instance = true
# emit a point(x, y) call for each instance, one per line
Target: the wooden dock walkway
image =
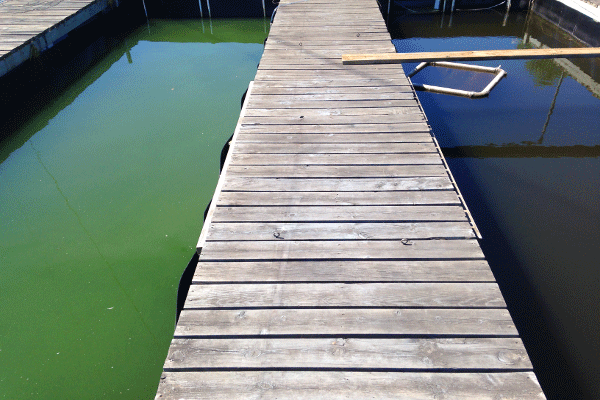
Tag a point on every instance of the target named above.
point(29, 27)
point(337, 260)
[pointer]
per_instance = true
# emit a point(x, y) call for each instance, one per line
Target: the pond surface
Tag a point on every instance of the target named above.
point(102, 205)
point(527, 160)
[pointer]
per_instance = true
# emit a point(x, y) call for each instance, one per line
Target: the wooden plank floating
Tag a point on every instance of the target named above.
point(475, 55)
point(337, 260)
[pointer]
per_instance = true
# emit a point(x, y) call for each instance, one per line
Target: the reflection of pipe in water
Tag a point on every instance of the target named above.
point(443, 15)
point(436, 6)
point(506, 15)
point(264, 9)
point(88, 234)
point(209, 16)
point(146, 12)
point(526, 27)
point(541, 139)
point(200, 5)
point(451, 13)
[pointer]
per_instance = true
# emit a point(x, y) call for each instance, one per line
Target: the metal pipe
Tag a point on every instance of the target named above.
point(417, 69)
point(499, 72)
point(507, 12)
point(464, 67)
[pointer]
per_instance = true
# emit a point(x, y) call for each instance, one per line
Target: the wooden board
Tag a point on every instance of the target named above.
point(347, 385)
point(335, 295)
point(344, 250)
point(349, 322)
point(312, 198)
point(522, 54)
point(338, 231)
point(359, 271)
point(399, 354)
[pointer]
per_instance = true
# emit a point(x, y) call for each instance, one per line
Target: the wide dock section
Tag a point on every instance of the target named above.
point(338, 260)
point(29, 27)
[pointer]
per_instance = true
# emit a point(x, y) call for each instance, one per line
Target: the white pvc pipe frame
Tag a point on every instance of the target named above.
point(499, 72)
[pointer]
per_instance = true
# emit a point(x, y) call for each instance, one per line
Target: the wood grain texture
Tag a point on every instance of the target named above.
point(347, 385)
point(367, 214)
point(336, 159)
point(334, 148)
point(331, 171)
point(244, 184)
point(402, 354)
point(336, 295)
point(364, 322)
point(344, 271)
point(338, 231)
point(268, 137)
point(447, 197)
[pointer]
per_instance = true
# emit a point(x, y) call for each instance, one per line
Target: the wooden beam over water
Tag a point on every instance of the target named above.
point(397, 58)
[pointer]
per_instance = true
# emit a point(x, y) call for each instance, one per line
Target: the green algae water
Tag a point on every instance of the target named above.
point(102, 195)
point(527, 160)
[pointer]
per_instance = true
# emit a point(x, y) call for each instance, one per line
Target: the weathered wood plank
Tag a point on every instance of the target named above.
point(341, 138)
point(279, 102)
point(316, 89)
point(476, 55)
point(347, 112)
point(344, 271)
point(411, 322)
point(447, 197)
point(404, 354)
point(336, 159)
point(363, 295)
point(323, 171)
point(338, 231)
point(334, 148)
point(336, 128)
point(339, 214)
point(324, 82)
point(346, 385)
point(242, 184)
point(346, 250)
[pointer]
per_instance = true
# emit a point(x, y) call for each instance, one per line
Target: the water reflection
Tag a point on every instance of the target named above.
point(527, 160)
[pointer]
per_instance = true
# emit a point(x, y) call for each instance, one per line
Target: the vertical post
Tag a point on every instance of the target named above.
point(264, 9)
point(443, 15)
point(389, 8)
point(200, 5)
point(507, 11)
point(209, 15)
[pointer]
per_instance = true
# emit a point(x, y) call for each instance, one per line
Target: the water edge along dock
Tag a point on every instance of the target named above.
point(337, 259)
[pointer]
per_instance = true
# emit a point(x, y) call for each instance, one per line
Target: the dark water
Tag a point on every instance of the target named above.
point(102, 194)
point(527, 160)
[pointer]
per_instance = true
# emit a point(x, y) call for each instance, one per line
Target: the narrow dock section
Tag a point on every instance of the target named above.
point(29, 27)
point(337, 260)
